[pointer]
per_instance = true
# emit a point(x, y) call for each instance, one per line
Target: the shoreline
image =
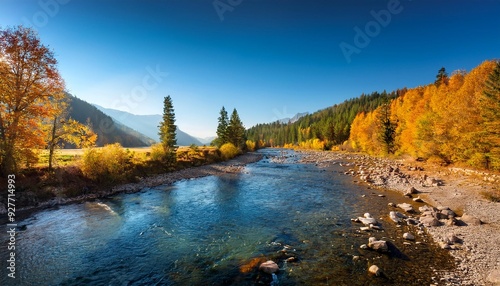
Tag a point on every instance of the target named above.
point(477, 251)
point(234, 166)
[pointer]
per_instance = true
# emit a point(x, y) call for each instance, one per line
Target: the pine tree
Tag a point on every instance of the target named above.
point(387, 133)
point(222, 128)
point(167, 132)
point(236, 131)
point(442, 77)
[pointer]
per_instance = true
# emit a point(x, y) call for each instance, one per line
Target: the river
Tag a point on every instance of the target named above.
point(215, 230)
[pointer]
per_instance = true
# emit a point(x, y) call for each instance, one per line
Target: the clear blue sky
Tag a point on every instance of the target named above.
point(268, 59)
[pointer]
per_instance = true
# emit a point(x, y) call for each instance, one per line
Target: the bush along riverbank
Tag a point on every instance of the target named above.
point(457, 207)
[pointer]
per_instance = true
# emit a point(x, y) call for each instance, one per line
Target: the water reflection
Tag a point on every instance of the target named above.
point(205, 231)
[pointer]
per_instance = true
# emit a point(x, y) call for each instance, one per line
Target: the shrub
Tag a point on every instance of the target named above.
point(250, 145)
point(109, 164)
point(228, 151)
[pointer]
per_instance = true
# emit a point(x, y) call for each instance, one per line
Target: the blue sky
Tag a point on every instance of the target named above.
point(269, 59)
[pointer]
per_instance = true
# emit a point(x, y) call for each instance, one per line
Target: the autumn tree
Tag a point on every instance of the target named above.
point(236, 130)
point(490, 113)
point(63, 129)
point(222, 128)
point(167, 132)
point(29, 82)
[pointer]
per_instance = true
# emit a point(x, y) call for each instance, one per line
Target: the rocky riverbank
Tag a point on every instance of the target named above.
point(232, 166)
point(455, 214)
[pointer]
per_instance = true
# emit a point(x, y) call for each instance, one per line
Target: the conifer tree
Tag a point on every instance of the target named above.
point(442, 77)
point(236, 131)
point(387, 131)
point(490, 109)
point(222, 128)
point(167, 131)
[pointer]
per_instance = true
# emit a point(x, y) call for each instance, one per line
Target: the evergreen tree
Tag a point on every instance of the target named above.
point(387, 133)
point(236, 131)
point(442, 77)
point(222, 128)
point(167, 131)
point(490, 109)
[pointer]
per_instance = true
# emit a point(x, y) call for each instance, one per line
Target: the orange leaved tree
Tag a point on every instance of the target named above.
point(29, 82)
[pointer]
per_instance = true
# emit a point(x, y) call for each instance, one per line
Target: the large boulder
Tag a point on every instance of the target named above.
point(269, 267)
point(470, 220)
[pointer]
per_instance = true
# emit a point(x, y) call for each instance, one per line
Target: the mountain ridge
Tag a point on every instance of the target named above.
point(147, 125)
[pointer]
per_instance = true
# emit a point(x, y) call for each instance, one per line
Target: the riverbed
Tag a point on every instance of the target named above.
point(213, 230)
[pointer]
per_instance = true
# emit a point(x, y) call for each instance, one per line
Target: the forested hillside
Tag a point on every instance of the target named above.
point(330, 126)
point(107, 130)
point(454, 120)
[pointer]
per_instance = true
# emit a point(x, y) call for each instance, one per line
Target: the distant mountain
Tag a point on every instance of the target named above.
point(147, 125)
point(206, 140)
point(293, 119)
point(107, 130)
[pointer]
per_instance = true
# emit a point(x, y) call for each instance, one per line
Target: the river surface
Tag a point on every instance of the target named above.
point(216, 230)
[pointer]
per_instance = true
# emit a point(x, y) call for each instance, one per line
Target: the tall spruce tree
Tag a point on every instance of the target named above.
point(236, 130)
point(387, 133)
point(167, 131)
point(222, 128)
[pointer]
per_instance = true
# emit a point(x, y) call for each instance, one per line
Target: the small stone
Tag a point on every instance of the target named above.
point(429, 221)
point(367, 221)
point(367, 215)
point(378, 245)
point(269, 267)
point(381, 196)
point(406, 207)
point(363, 246)
point(444, 245)
point(355, 258)
point(418, 200)
point(408, 236)
point(364, 228)
point(392, 205)
point(375, 270)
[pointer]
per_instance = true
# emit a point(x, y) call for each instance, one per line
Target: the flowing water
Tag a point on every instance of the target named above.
point(217, 230)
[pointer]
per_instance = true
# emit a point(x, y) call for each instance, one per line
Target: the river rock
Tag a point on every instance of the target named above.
point(375, 270)
point(269, 267)
point(408, 236)
point(410, 191)
point(429, 221)
point(406, 207)
point(396, 217)
point(451, 238)
point(470, 220)
point(418, 200)
point(367, 221)
point(378, 245)
point(448, 213)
